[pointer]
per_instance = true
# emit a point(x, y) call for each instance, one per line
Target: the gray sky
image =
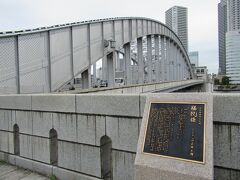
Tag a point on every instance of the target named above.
point(202, 17)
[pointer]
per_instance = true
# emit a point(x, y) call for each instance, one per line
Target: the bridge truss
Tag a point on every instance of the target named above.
point(44, 59)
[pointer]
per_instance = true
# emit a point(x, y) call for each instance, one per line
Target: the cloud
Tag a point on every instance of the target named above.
point(202, 17)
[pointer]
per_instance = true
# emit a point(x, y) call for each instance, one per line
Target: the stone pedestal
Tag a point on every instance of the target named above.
point(154, 166)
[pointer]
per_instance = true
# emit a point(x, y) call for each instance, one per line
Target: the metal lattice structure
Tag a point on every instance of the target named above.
point(44, 59)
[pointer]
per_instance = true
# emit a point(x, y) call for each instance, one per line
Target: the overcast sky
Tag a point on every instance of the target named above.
point(202, 17)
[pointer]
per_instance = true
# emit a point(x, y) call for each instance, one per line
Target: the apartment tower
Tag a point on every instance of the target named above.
point(176, 18)
point(233, 41)
point(222, 29)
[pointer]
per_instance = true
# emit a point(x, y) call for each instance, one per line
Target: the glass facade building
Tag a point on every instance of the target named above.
point(222, 29)
point(233, 56)
point(233, 41)
point(176, 18)
point(194, 58)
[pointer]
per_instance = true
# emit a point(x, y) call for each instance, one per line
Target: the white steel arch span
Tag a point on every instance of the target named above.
point(43, 59)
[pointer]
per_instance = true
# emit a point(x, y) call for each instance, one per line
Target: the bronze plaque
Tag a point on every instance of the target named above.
point(176, 130)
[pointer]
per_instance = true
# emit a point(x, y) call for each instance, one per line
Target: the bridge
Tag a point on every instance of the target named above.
point(92, 133)
point(45, 59)
point(170, 86)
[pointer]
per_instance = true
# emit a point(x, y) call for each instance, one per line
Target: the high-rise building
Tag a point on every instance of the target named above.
point(222, 29)
point(233, 15)
point(176, 18)
point(193, 56)
point(233, 55)
point(233, 41)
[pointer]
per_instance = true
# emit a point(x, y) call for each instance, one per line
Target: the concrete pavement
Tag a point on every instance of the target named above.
point(9, 172)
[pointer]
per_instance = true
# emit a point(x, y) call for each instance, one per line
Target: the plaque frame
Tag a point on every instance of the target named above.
point(204, 131)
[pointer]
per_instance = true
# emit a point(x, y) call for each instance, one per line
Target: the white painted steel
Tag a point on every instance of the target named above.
point(44, 59)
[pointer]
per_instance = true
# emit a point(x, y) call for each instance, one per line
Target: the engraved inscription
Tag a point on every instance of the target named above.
point(176, 130)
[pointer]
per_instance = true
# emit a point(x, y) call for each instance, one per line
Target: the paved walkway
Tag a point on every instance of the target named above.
point(9, 172)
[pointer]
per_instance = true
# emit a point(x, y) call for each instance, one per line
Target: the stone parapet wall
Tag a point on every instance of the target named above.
point(82, 120)
point(226, 117)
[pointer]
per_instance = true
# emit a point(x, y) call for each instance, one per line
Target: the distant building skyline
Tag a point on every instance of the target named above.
point(233, 15)
point(233, 41)
point(222, 29)
point(194, 58)
point(176, 18)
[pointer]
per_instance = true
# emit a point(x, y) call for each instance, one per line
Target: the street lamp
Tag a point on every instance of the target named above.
point(109, 43)
point(112, 44)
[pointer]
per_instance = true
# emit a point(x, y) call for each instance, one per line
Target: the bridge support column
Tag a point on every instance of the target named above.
point(104, 67)
point(140, 61)
point(170, 61)
point(89, 78)
point(157, 61)
point(94, 74)
point(149, 57)
point(168, 58)
point(188, 72)
point(86, 78)
point(172, 54)
point(178, 64)
point(179, 70)
point(108, 68)
point(111, 63)
point(163, 59)
point(185, 69)
point(118, 63)
point(127, 59)
point(49, 62)
point(175, 63)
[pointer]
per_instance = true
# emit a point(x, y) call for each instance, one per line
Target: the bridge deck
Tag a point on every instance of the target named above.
point(140, 88)
point(9, 172)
